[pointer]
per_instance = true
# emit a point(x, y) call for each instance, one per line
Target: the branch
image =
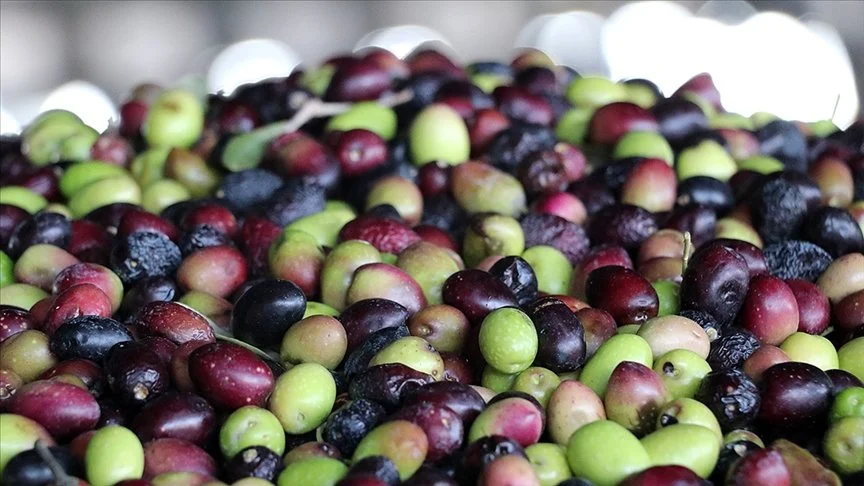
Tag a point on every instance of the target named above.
point(60, 476)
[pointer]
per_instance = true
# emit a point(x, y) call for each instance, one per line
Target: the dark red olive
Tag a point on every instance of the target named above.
point(433, 178)
point(443, 427)
point(79, 300)
point(90, 242)
point(677, 475)
point(135, 373)
point(716, 282)
point(360, 151)
point(476, 293)
point(364, 317)
point(623, 293)
point(794, 394)
point(387, 383)
point(460, 398)
point(213, 215)
point(358, 80)
point(87, 371)
point(10, 217)
point(174, 415)
point(140, 220)
point(456, 368)
point(751, 254)
point(64, 410)
point(520, 104)
point(230, 376)
point(163, 347)
point(370, 469)
point(180, 365)
point(173, 321)
point(14, 320)
point(10, 382)
point(175, 455)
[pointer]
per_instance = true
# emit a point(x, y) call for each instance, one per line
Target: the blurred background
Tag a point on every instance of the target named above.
point(791, 58)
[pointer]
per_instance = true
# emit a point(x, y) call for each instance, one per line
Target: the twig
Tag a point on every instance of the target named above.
point(836, 105)
point(246, 151)
point(60, 476)
point(315, 108)
point(688, 247)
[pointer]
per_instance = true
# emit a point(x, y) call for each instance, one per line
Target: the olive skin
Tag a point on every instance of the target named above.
point(265, 311)
point(87, 337)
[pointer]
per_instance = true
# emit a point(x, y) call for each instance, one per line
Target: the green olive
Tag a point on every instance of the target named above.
point(114, 454)
point(508, 340)
point(82, 174)
point(163, 193)
point(552, 268)
point(23, 198)
point(303, 397)
point(315, 471)
point(7, 277)
point(103, 192)
point(251, 426)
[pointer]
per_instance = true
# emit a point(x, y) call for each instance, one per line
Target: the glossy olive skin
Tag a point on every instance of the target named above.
point(365, 317)
point(90, 374)
point(230, 376)
point(42, 228)
point(716, 282)
point(87, 337)
point(386, 383)
point(135, 373)
point(28, 468)
point(476, 293)
point(175, 415)
point(561, 337)
point(794, 394)
point(14, 320)
point(265, 311)
point(460, 398)
point(173, 321)
point(64, 410)
point(622, 292)
point(443, 427)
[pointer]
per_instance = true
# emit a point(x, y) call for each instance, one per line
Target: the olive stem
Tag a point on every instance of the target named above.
point(688, 247)
point(60, 476)
point(315, 108)
point(246, 151)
